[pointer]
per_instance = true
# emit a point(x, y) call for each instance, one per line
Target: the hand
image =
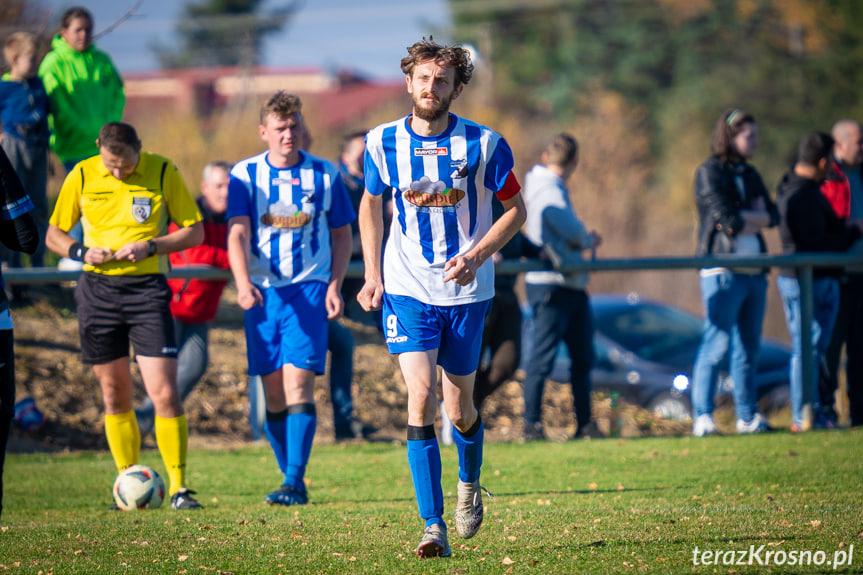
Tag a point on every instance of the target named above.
point(133, 251)
point(96, 256)
point(596, 238)
point(371, 295)
point(462, 269)
point(248, 297)
point(334, 302)
point(759, 204)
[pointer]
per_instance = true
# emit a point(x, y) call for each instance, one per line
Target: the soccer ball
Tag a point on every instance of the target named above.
point(138, 487)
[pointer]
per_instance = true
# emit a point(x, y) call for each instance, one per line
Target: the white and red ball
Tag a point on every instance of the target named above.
point(138, 487)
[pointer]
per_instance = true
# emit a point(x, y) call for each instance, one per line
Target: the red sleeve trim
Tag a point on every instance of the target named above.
point(510, 188)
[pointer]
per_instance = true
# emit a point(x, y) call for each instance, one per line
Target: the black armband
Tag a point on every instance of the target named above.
point(151, 248)
point(77, 251)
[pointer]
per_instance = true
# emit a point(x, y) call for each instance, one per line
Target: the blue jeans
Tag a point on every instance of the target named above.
point(559, 314)
point(734, 311)
point(341, 346)
point(825, 306)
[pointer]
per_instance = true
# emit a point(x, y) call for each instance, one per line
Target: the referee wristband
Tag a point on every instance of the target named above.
point(151, 248)
point(77, 251)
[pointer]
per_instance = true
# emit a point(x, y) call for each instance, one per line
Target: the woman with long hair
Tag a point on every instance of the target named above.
point(733, 208)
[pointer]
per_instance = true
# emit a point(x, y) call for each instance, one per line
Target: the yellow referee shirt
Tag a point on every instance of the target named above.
point(114, 213)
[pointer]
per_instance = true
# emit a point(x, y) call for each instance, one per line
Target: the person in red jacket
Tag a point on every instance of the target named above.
point(844, 191)
point(196, 301)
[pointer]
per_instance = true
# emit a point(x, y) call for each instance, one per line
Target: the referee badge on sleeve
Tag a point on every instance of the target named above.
point(141, 209)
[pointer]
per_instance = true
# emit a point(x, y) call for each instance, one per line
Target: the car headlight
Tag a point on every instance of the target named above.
point(680, 382)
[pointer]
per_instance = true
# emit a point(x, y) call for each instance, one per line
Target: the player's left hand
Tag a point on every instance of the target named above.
point(462, 269)
point(334, 302)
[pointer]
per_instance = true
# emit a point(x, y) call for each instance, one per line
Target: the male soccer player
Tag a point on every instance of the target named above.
point(438, 276)
point(289, 242)
point(125, 199)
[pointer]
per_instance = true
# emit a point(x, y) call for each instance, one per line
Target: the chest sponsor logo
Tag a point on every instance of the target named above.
point(428, 194)
point(283, 216)
point(141, 209)
point(283, 181)
point(443, 151)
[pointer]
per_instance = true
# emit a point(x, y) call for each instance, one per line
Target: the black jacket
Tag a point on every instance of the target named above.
point(719, 203)
point(809, 223)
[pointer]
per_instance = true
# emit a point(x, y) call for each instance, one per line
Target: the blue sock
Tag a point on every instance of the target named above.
point(424, 461)
point(302, 421)
point(276, 428)
point(469, 447)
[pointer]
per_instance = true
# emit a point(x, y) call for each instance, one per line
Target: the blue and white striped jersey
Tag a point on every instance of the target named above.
point(442, 191)
point(292, 211)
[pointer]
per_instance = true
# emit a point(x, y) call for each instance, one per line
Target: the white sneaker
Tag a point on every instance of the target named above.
point(755, 425)
point(468, 509)
point(434, 543)
point(704, 425)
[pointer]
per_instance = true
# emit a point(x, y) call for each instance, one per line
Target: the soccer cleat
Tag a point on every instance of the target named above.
point(183, 499)
point(287, 495)
point(704, 425)
point(434, 543)
point(755, 425)
point(468, 509)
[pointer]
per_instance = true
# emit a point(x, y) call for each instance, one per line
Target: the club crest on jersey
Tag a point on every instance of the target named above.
point(428, 194)
point(141, 209)
point(459, 169)
point(442, 151)
point(285, 217)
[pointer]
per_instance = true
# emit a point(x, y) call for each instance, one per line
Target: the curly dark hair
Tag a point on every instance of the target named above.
point(454, 57)
point(281, 105)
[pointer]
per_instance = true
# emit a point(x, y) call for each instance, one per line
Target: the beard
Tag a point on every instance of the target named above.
point(437, 110)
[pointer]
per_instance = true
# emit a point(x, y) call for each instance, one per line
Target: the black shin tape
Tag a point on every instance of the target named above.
point(308, 408)
point(417, 433)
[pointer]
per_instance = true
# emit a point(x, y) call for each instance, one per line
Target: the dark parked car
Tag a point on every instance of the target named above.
point(645, 351)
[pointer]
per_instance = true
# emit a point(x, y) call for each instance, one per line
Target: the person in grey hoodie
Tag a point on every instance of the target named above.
point(559, 300)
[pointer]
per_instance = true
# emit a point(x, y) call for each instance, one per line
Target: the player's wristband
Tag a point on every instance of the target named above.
point(77, 251)
point(151, 248)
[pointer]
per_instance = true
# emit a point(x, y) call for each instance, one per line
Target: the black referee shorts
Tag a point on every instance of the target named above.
point(114, 311)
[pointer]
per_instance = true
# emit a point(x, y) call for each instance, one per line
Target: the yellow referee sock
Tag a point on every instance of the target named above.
point(172, 437)
point(124, 438)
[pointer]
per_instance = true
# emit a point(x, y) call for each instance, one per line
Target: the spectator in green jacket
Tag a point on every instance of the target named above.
point(84, 89)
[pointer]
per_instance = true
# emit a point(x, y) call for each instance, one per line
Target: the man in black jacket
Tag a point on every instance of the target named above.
point(809, 224)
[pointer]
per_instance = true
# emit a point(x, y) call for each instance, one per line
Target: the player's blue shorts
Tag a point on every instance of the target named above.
point(289, 328)
point(455, 331)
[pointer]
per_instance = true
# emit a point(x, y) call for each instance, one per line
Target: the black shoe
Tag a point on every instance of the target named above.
point(355, 429)
point(183, 499)
point(532, 432)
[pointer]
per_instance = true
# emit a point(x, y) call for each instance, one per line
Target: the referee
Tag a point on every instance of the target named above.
point(125, 199)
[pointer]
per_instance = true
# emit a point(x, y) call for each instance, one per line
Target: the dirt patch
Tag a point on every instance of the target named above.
point(48, 367)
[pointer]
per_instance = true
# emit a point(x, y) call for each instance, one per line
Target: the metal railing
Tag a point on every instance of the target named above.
point(804, 263)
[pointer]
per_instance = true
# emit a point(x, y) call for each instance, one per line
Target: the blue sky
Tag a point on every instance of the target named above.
point(368, 36)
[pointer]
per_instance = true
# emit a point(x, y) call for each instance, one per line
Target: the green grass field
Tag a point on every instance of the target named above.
point(599, 506)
